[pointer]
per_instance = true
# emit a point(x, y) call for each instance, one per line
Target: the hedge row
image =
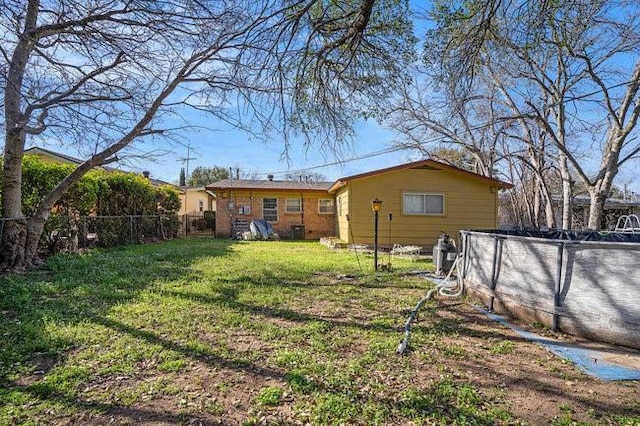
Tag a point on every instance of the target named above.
point(99, 193)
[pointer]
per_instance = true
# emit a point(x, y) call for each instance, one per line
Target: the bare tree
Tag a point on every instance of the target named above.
point(528, 154)
point(104, 74)
point(430, 121)
point(574, 73)
point(305, 176)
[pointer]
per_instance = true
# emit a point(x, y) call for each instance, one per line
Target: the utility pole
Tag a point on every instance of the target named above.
point(185, 160)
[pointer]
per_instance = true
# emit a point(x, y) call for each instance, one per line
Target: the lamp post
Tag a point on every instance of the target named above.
point(375, 206)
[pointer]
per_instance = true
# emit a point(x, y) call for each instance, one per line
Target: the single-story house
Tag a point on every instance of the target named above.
point(300, 210)
point(49, 156)
point(613, 209)
point(196, 200)
point(420, 200)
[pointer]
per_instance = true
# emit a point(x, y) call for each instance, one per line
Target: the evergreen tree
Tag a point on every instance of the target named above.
point(183, 178)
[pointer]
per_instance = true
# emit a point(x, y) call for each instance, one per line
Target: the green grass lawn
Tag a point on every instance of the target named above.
point(205, 331)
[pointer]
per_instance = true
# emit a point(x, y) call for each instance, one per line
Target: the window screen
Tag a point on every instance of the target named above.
point(293, 205)
point(427, 204)
point(325, 205)
point(270, 209)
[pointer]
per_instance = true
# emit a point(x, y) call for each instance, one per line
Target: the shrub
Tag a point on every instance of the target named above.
point(199, 224)
point(210, 218)
point(101, 193)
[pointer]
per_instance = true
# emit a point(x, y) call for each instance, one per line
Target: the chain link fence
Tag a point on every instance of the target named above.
point(69, 234)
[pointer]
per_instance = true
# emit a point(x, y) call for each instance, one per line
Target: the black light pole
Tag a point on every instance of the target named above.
point(375, 206)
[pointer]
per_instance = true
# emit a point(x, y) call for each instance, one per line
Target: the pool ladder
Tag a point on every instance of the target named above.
point(628, 223)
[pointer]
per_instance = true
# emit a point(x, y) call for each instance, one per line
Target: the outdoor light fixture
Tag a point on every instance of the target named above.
point(375, 206)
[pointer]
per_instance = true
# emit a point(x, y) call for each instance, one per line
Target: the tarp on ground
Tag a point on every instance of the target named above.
point(261, 229)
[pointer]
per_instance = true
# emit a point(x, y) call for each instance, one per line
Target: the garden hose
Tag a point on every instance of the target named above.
point(445, 288)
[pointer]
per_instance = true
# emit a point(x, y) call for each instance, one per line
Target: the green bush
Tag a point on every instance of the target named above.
point(210, 218)
point(199, 224)
point(99, 193)
point(40, 177)
point(169, 226)
point(127, 194)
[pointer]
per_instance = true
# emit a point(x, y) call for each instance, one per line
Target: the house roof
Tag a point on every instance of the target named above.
point(584, 200)
point(63, 158)
point(198, 189)
point(422, 164)
point(279, 185)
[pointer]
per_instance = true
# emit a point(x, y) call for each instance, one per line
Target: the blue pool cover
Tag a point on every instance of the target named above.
point(594, 362)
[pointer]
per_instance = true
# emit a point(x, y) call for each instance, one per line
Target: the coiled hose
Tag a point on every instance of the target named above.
point(446, 288)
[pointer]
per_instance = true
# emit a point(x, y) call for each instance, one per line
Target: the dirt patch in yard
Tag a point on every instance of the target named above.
point(454, 347)
point(536, 385)
point(317, 353)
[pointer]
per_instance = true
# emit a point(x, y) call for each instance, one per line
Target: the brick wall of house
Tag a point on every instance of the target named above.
point(246, 206)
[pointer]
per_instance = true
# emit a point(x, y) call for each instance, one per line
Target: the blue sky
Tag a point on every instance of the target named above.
point(227, 147)
point(233, 148)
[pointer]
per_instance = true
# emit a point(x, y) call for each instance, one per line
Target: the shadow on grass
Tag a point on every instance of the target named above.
point(117, 414)
point(200, 354)
point(77, 290)
point(530, 381)
point(391, 281)
point(74, 288)
point(228, 298)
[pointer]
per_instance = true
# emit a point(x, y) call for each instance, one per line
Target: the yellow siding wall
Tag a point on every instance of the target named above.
point(468, 204)
point(342, 209)
point(193, 198)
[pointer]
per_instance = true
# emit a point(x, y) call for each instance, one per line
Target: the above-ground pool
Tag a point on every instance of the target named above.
point(584, 284)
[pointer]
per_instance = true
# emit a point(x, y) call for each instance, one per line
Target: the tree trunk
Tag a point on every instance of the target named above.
point(596, 209)
point(537, 203)
point(598, 194)
point(550, 218)
point(567, 193)
point(14, 237)
point(549, 214)
point(20, 239)
point(35, 225)
point(14, 231)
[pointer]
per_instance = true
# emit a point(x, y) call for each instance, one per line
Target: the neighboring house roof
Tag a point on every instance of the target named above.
point(158, 182)
point(198, 189)
point(422, 164)
point(584, 200)
point(67, 159)
point(63, 158)
point(278, 185)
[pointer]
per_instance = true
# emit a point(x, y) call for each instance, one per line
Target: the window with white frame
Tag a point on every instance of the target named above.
point(423, 203)
point(293, 205)
point(200, 205)
point(325, 206)
point(270, 209)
